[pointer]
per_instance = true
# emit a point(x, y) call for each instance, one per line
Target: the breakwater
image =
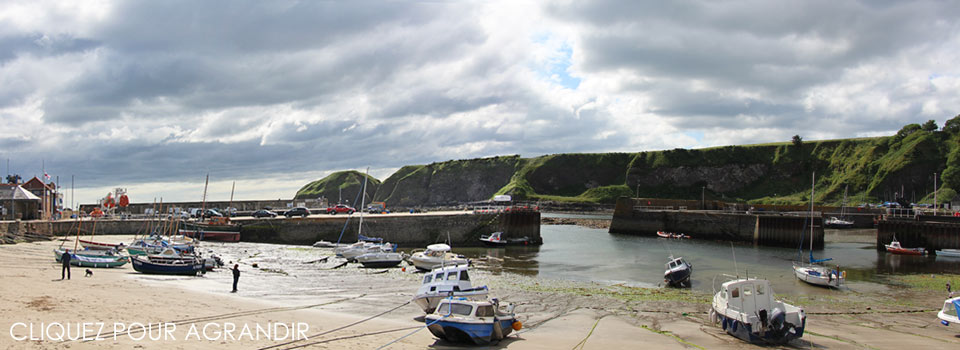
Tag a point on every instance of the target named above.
point(924, 231)
point(632, 217)
point(460, 228)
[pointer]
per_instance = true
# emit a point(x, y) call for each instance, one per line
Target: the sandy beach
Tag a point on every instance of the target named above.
point(332, 308)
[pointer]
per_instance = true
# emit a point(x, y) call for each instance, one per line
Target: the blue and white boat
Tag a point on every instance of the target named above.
point(443, 282)
point(747, 309)
point(949, 313)
point(472, 321)
point(678, 272)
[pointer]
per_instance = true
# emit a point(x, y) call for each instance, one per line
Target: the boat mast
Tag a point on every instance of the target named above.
point(363, 195)
point(203, 202)
point(232, 187)
point(813, 185)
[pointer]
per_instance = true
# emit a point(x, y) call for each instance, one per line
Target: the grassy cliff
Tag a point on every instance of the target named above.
point(347, 184)
point(868, 169)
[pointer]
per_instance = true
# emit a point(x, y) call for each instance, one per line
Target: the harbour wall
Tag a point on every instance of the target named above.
point(408, 230)
point(930, 232)
point(759, 229)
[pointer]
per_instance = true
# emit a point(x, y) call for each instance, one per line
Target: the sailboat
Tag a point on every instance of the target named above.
point(386, 255)
point(841, 221)
point(811, 272)
point(89, 257)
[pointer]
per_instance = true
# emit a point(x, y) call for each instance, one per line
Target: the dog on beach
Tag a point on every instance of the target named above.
point(88, 274)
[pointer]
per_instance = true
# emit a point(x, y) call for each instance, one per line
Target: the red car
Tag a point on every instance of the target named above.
point(340, 208)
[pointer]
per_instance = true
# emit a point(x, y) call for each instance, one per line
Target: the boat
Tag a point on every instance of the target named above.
point(663, 234)
point(436, 255)
point(380, 259)
point(472, 321)
point(895, 248)
point(953, 253)
point(147, 265)
point(496, 240)
point(327, 244)
point(812, 272)
point(368, 245)
point(951, 309)
point(218, 229)
point(102, 246)
point(447, 281)
point(836, 222)
point(678, 272)
point(92, 261)
point(746, 308)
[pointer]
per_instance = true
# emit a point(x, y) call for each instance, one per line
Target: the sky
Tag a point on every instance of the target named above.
point(152, 96)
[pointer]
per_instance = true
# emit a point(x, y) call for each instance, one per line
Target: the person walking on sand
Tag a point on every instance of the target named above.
point(236, 276)
point(65, 259)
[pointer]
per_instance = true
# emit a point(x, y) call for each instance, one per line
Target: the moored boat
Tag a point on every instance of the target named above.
point(835, 222)
point(950, 312)
point(663, 234)
point(447, 281)
point(820, 275)
point(436, 255)
point(218, 229)
point(746, 308)
point(92, 261)
point(953, 253)
point(99, 245)
point(380, 259)
point(895, 248)
point(472, 321)
point(496, 240)
point(162, 267)
point(678, 272)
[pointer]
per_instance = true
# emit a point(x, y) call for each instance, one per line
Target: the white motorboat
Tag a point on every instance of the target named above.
point(746, 308)
point(835, 222)
point(445, 282)
point(435, 256)
point(678, 272)
point(380, 259)
point(820, 275)
point(953, 253)
point(351, 252)
point(950, 311)
point(327, 244)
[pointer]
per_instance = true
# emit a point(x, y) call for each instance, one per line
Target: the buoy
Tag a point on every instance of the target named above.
point(404, 269)
point(517, 325)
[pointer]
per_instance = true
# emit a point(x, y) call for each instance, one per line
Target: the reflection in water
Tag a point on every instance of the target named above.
point(586, 254)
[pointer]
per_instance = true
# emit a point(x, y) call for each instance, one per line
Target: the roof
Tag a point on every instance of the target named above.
point(15, 192)
point(36, 184)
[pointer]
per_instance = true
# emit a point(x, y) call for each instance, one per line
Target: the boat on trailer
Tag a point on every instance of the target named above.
point(447, 281)
point(895, 248)
point(746, 308)
point(472, 321)
point(678, 272)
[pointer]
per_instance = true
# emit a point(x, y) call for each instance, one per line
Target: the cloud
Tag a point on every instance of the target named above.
point(152, 95)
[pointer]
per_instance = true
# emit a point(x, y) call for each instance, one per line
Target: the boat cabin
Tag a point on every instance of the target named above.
point(747, 296)
point(445, 280)
point(675, 263)
point(437, 250)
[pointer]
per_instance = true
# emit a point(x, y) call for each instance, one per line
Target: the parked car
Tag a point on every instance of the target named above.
point(209, 213)
point(340, 208)
point(298, 211)
point(263, 213)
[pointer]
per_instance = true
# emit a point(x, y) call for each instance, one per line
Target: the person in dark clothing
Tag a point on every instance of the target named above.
point(236, 276)
point(65, 259)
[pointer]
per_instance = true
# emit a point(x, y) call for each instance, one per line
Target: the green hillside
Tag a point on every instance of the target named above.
point(869, 169)
point(342, 183)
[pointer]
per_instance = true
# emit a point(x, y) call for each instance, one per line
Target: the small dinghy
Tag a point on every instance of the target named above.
point(747, 309)
point(380, 259)
point(472, 321)
point(678, 272)
point(449, 281)
point(895, 248)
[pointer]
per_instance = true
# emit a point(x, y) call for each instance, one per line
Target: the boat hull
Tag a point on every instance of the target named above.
point(479, 333)
point(744, 331)
point(905, 251)
point(953, 253)
point(818, 276)
point(91, 261)
point(144, 265)
point(213, 235)
point(678, 277)
point(428, 302)
point(98, 245)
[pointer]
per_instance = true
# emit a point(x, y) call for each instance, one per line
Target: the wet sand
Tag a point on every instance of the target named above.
point(285, 288)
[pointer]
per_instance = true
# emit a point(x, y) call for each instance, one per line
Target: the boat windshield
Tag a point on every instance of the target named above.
point(485, 311)
point(463, 276)
point(427, 279)
point(458, 309)
point(452, 276)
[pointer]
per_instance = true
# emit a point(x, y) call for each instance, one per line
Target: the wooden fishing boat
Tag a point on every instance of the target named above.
point(92, 261)
point(99, 245)
point(895, 248)
point(150, 265)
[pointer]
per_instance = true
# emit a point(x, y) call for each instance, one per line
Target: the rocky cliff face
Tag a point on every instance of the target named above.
point(725, 178)
point(450, 182)
point(342, 184)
